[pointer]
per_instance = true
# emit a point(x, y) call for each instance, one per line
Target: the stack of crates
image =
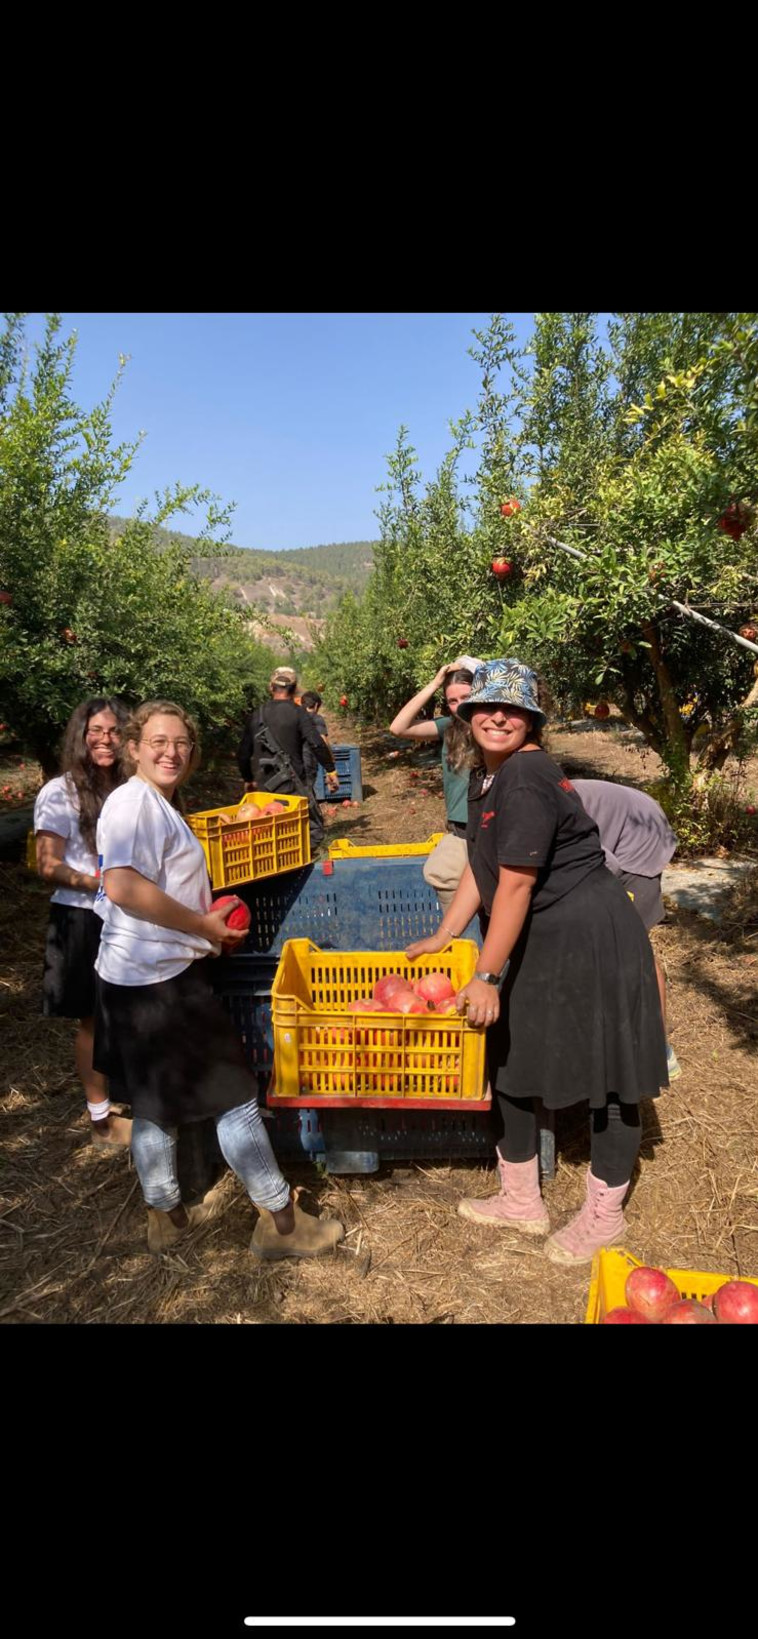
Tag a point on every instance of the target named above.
point(367, 903)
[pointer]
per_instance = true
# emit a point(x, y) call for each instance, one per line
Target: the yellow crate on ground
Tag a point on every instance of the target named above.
point(392, 850)
point(325, 1053)
point(612, 1265)
point(31, 851)
point(242, 848)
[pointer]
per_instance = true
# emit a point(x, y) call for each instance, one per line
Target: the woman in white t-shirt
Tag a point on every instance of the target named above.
point(65, 817)
point(159, 1028)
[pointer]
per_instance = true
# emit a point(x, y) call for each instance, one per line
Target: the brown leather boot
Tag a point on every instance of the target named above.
point(163, 1233)
point(309, 1239)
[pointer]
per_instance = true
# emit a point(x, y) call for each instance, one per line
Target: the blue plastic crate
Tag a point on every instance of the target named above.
point(345, 904)
point(347, 761)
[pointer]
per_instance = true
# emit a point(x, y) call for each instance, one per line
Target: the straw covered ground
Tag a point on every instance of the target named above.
point(72, 1222)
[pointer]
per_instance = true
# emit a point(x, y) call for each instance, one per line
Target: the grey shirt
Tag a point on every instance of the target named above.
point(634, 833)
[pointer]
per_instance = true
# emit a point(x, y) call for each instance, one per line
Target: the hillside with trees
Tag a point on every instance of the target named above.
point(307, 582)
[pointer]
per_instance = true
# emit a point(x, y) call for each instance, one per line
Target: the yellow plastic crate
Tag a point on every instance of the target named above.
point(397, 850)
point(250, 849)
point(31, 851)
point(611, 1266)
point(324, 1054)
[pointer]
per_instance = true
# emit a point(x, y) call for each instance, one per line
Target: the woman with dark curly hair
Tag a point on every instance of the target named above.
point(65, 818)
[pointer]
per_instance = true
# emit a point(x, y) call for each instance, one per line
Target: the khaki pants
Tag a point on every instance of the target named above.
point(445, 867)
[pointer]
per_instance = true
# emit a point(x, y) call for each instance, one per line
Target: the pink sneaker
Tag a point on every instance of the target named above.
point(600, 1223)
point(518, 1205)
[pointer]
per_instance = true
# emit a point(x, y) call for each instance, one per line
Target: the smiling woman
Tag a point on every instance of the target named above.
point(65, 816)
point(159, 1028)
point(577, 1016)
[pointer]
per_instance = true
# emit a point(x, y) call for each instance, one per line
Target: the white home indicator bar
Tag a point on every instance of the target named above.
point(380, 1621)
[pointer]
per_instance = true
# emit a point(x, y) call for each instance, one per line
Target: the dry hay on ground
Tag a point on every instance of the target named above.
point(72, 1223)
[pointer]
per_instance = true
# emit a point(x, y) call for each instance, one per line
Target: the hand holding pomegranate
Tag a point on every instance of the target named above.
point(227, 923)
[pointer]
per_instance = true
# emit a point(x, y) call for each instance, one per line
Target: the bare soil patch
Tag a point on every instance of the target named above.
point(72, 1223)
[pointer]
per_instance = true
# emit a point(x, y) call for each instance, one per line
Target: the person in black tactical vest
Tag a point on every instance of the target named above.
point(270, 753)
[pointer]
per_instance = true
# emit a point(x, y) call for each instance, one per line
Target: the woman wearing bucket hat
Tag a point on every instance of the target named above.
point(580, 1017)
point(447, 862)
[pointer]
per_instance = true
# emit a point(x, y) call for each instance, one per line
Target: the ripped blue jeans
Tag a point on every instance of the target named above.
point(243, 1142)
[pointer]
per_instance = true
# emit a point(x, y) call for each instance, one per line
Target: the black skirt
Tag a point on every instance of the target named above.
point(71, 946)
point(172, 1048)
point(580, 1010)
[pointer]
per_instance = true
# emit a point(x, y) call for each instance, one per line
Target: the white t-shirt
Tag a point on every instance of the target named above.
point(139, 828)
point(57, 809)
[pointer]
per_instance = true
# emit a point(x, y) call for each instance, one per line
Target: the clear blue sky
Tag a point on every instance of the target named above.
point(288, 414)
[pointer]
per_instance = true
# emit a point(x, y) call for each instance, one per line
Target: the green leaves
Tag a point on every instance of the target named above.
point(140, 620)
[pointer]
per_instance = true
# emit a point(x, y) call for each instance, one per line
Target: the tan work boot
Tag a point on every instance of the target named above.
point(162, 1233)
point(114, 1133)
point(309, 1239)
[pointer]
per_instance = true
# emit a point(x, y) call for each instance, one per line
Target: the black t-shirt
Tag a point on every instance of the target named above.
point(309, 756)
point(530, 816)
point(293, 729)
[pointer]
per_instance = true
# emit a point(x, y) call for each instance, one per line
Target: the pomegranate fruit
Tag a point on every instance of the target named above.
point(239, 917)
point(623, 1317)
point(650, 1292)
point(688, 1312)
point(435, 987)
point(385, 988)
point(404, 1001)
point(736, 1304)
point(508, 508)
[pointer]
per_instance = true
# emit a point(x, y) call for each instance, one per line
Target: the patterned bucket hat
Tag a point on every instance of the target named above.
point(503, 683)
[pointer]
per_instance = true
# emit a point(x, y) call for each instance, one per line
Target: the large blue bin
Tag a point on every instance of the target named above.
point(347, 760)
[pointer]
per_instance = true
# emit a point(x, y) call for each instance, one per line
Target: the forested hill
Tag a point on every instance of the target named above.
point(308, 580)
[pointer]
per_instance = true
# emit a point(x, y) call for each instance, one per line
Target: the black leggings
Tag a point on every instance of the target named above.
point(615, 1136)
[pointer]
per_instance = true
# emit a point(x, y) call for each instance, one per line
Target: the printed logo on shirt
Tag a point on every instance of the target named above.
point(488, 814)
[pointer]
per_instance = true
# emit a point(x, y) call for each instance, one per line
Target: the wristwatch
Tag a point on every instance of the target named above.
point(489, 978)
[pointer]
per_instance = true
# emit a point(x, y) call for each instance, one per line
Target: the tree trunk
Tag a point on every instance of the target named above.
point(640, 720)
point(722, 745)
point(675, 749)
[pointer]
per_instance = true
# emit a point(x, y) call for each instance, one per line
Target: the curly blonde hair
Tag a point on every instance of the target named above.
point(158, 708)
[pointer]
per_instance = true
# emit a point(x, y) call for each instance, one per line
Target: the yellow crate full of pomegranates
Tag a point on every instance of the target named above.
point(327, 1053)
point(391, 850)
point(242, 844)
point(611, 1267)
